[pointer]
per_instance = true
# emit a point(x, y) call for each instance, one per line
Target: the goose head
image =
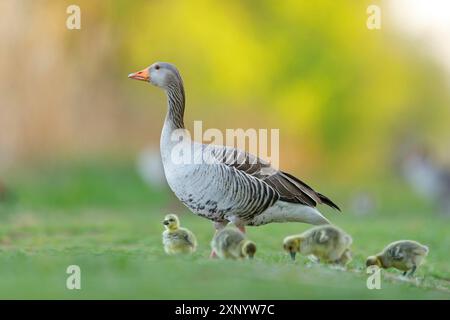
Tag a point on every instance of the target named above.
point(374, 261)
point(292, 245)
point(160, 74)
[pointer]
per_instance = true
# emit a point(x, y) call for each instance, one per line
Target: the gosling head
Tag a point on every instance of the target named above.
point(171, 222)
point(160, 74)
point(292, 245)
point(373, 261)
point(249, 249)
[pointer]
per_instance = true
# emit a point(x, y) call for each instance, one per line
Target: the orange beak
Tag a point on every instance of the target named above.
point(142, 75)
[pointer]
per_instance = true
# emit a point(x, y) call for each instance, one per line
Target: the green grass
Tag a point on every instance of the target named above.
point(104, 219)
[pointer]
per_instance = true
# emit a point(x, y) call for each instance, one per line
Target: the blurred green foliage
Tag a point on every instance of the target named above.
point(343, 96)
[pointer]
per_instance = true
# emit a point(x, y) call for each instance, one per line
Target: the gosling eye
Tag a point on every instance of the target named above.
point(171, 220)
point(157, 67)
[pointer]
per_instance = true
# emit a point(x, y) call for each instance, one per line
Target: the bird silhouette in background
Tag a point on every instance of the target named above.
point(427, 178)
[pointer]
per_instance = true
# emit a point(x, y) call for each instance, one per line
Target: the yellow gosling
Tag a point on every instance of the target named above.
point(326, 243)
point(346, 258)
point(177, 240)
point(231, 243)
point(404, 255)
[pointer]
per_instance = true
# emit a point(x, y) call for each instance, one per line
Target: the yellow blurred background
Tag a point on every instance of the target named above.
point(343, 96)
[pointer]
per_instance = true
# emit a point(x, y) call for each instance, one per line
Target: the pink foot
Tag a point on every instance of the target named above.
point(242, 229)
point(213, 255)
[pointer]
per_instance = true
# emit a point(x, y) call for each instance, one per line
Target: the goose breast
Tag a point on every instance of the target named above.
point(219, 192)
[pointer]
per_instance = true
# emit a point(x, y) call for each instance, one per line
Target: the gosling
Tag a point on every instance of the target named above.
point(177, 240)
point(231, 243)
point(404, 255)
point(346, 258)
point(326, 243)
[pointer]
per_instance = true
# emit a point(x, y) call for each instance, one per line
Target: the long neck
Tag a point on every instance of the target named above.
point(175, 105)
point(174, 121)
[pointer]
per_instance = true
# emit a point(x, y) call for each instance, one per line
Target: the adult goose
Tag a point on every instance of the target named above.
point(224, 184)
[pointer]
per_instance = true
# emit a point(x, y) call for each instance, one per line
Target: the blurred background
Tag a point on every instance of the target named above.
point(364, 115)
point(343, 96)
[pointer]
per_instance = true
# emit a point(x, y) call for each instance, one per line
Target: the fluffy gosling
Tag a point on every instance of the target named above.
point(346, 258)
point(404, 255)
point(231, 243)
point(326, 243)
point(175, 239)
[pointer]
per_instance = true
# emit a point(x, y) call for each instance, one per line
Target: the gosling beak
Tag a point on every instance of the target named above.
point(165, 222)
point(292, 255)
point(142, 75)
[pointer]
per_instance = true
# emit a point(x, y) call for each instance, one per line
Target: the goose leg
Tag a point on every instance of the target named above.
point(217, 227)
point(213, 255)
point(241, 228)
point(238, 223)
point(412, 271)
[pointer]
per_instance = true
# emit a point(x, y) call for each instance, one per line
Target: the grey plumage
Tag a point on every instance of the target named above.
point(224, 184)
point(284, 186)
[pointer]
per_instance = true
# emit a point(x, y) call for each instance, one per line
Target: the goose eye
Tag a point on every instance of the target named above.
point(157, 67)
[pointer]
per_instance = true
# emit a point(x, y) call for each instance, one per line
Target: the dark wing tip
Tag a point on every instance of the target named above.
point(328, 202)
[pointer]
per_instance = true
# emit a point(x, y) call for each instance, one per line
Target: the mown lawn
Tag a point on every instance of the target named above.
point(107, 221)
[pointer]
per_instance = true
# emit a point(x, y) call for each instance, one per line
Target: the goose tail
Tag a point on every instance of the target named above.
point(283, 211)
point(327, 201)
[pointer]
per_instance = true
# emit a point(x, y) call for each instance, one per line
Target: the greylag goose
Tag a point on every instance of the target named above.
point(224, 184)
point(427, 178)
